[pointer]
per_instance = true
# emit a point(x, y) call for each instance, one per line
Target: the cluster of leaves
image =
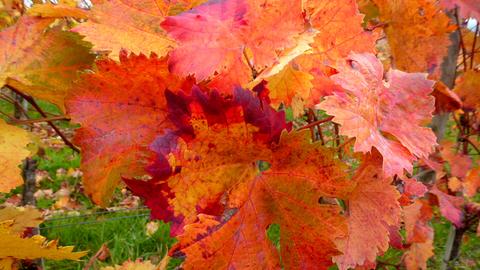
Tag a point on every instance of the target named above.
point(187, 102)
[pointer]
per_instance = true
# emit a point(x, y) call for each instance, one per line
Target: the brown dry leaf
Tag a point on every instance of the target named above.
point(135, 265)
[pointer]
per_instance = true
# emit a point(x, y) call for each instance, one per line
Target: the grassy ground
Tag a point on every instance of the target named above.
point(124, 233)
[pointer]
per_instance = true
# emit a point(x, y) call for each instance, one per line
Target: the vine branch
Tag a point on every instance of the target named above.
point(50, 123)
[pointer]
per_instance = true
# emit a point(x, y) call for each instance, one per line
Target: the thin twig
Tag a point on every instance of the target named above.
point(250, 65)
point(473, 45)
point(7, 115)
point(462, 44)
point(50, 123)
point(471, 143)
point(47, 119)
point(318, 122)
point(345, 143)
point(14, 102)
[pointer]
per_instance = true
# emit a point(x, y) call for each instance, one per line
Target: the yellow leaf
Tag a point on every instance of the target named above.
point(49, 10)
point(417, 31)
point(289, 83)
point(12, 151)
point(13, 246)
point(21, 217)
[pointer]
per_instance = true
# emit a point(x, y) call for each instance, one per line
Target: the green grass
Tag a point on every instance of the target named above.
point(124, 233)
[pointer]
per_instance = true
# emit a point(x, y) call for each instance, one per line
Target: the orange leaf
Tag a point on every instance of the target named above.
point(472, 182)
point(126, 24)
point(418, 34)
point(286, 194)
point(372, 209)
point(41, 62)
point(467, 88)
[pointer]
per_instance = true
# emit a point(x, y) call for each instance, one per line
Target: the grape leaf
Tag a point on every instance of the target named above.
point(459, 163)
point(466, 8)
point(472, 182)
point(13, 142)
point(416, 217)
point(22, 217)
point(341, 31)
point(373, 210)
point(288, 83)
point(417, 32)
point(134, 265)
point(39, 61)
point(417, 255)
point(235, 26)
point(467, 89)
point(121, 108)
point(49, 10)
point(450, 206)
point(373, 109)
point(126, 24)
point(263, 124)
point(419, 234)
point(13, 223)
point(12, 245)
point(445, 99)
point(286, 194)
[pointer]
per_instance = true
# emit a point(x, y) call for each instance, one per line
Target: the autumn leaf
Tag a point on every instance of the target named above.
point(62, 9)
point(450, 206)
point(467, 8)
point(288, 83)
point(13, 246)
point(445, 99)
point(418, 254)
point(412, 189)
point(372, 210)
point(472, 182)
point(286, 194)
point(459, 163)
point(122, 108)
point(417, 32)
point(10, 11)
point(114, 25)
point(419, 234)
point(134, 265)
point(341, 31)
point(39, 61)
point(466, 88)
point(22, 217)
point(13, 142)
point(383, 112)
point(13, 222)
point(236, 26)
point(416, 217)
point(230, 118)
